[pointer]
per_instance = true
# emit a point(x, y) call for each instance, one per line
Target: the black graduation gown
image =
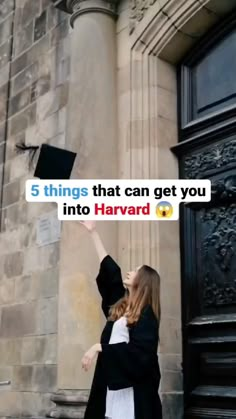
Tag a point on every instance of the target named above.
point(134, 364)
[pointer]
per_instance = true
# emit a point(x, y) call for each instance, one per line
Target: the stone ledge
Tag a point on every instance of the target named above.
point(70, 404)
point(64, 398)
point(68, 413)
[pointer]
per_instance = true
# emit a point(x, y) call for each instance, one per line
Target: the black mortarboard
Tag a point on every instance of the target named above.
point(54, 163)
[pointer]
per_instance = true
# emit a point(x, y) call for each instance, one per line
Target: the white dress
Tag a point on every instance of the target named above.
point(120, 403)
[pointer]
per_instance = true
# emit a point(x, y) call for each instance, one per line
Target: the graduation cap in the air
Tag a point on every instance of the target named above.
point(53, 162)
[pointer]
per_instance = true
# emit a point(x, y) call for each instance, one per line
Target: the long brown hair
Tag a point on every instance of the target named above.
point(146, 290)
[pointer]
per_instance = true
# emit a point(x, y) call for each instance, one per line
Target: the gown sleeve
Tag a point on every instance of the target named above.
point(109, 282)
point(126, 364)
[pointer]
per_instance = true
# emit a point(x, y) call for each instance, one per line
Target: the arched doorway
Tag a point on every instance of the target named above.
point(149, 147)
point(207, 149)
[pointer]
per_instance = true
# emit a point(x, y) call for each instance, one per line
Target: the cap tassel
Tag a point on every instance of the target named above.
point(31, 148)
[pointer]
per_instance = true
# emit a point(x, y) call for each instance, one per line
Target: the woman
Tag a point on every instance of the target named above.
point(127, 374)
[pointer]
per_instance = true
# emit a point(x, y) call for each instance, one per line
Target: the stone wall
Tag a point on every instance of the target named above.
point(34, 69)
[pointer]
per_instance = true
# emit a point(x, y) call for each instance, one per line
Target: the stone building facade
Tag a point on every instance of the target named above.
point(98, 78)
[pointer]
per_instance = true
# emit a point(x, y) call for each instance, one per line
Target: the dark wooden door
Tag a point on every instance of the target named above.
point(207, 150)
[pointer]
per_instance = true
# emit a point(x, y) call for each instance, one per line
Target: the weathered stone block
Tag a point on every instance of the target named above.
point(11, 145)
point(172, 406)
point(40, 26)
point(24, 289)
point(19, 64)
point(30, 234)
point(22, 377)
point(171, 381)
point(26, 10)
point(63, 70)
point(166, 75)
point(52, 101)
point(69, 402)
point(167, 104)
point(171, 235)
point(20, 101)
point(5, 53)
point(1, 177)
point(172, 362)
point(171, 298)
point(62, 116)
point(50, 127)
point(170, 336)
point(58, 141)
point(41, 258)
point(2, 152)
point(6, 373)
point(3, 102)
point(7, 166)
point(7, 7)
point(53, 16)
point(25, 78)
point(22, 181)
point(39, 350)
point(167, 164)
point(48, 283)
point(2, 132)
point(123, 51)
point(44, 378)
point(35, 404)
point(18, 320)
point(167, 132)
point(30, 10)
point(47, 316)
point(23, 39)
point(40, 87)
point(5, 28)
point(46, 3)
point(11, 241)
point(63, 94)
point(7, 291)
point(38, 50)
point(47, 104)
point(22, 120)
point(14, 216)
point(59, 32)
point(5, 74)
point(34, 210)
point(10, 352)
point(10, 404)
point(53, 255)
point(33, 136)
point(19, 166)
point(11, 193)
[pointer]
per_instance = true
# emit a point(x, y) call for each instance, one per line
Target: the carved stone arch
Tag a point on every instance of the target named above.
point(165, 32)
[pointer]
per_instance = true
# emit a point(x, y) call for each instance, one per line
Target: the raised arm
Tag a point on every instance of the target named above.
point(91, 227)
point(109, 279)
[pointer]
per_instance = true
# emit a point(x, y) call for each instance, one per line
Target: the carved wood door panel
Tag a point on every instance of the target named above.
point(207, 150)
point(209, 287)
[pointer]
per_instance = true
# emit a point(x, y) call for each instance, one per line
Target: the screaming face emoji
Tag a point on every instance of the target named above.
point(164, 210)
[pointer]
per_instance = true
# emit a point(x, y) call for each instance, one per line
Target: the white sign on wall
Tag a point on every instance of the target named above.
point(48, 229)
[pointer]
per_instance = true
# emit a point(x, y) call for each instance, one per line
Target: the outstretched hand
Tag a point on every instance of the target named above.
point(89, 225)
point(90, 356)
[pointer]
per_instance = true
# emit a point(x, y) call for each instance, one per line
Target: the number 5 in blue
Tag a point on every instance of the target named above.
point(35, 190)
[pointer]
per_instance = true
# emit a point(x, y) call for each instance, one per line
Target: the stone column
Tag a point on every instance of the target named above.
point(92, 133)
